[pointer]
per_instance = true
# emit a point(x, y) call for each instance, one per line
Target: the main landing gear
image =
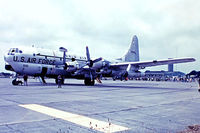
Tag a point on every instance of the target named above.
point(89, 82)
point(43, 80)
point(17, 82)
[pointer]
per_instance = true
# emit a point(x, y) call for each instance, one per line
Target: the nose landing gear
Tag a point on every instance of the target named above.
point(17, 82)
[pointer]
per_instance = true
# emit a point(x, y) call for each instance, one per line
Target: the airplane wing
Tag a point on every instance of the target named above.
point(143, 64)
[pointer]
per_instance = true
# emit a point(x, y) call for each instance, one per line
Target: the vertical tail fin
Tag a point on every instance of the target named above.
point(132, 54)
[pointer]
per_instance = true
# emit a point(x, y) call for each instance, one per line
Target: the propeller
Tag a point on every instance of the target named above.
point(89, 61)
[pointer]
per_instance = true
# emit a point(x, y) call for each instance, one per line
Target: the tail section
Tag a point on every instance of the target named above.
point(132, 54)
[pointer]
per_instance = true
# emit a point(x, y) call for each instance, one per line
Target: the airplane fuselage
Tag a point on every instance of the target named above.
point(45, 63)
point(37, 64)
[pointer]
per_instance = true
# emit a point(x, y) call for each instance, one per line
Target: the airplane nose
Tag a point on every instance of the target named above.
point(6, 57)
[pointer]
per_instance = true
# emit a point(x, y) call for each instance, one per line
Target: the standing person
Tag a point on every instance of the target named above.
point(59, 81)
point(25, 80)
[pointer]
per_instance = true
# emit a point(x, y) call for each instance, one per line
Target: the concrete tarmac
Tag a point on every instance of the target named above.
point(140, 106)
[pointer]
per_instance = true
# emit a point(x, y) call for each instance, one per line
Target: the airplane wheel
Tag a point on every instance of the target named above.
point(14, 82)
point(88, 82)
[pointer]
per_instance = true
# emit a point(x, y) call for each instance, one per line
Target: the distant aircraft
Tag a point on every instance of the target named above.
point(37, 62)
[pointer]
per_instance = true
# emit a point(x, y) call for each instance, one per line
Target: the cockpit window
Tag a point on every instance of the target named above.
point(14, 50)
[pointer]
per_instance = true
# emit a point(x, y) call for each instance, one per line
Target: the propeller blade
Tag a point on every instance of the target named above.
point(89, 61)
point(87, 53)
point(97, 60)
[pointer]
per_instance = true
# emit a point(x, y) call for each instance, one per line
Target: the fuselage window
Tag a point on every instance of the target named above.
point(14, 50)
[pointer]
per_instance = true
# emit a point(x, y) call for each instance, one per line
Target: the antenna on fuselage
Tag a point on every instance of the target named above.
point(64, 50)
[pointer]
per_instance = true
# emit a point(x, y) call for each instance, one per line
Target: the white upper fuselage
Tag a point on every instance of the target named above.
point(32, 63)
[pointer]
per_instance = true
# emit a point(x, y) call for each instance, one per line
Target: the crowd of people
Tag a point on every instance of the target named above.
point(173, 79)
point(191, 77)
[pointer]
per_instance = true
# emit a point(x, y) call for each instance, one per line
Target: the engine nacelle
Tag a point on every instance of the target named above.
point(72, 66)
point(100, 64)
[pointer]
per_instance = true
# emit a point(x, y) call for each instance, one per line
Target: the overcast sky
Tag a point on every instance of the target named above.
point(165, 29)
